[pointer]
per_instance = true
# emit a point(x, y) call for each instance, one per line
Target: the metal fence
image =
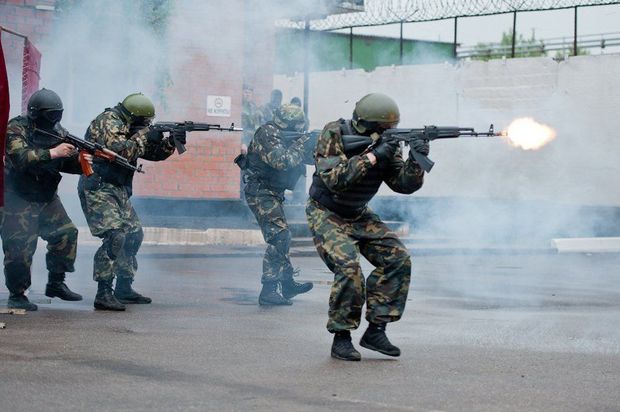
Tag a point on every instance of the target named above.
point(557, 47)
point(381, 12)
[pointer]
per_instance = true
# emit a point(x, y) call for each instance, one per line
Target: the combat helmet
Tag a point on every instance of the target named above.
point(45, 106)
point(289, 117)
point(374, 112)
point(138, 108)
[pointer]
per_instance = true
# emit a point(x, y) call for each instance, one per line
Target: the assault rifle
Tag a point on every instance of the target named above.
point(190, 126)
point(364, 144)
point(95, 149)
point(289, 137)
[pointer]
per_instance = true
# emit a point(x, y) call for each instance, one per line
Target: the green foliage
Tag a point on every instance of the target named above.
point(524, 47)
point(156, 14)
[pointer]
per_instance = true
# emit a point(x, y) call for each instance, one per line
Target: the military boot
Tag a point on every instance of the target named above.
point(375, 339)
point(343, 349)
point(105, 300)
point(290, 288)
point(125, 293)
point(269, 295)
point(20, 302)
point(56, 288)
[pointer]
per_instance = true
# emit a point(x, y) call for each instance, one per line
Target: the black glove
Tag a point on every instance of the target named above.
point(178, 135)
point(154, 136)
point(421, 146)
point(385, 150)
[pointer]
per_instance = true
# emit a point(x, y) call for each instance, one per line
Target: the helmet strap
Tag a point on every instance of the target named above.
point(125, 113)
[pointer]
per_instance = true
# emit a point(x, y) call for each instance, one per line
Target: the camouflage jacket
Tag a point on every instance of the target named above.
point(349, 182)
point(251, 119)
point(112, 130)
point(272, 163)
point(267, 111)
point(29, 168)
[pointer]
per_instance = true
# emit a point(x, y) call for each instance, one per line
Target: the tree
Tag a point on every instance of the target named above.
point(523, 47)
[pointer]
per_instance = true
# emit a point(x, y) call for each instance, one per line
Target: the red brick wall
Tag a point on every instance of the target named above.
point(207, 40)
point(22, 16)
point(217, 45)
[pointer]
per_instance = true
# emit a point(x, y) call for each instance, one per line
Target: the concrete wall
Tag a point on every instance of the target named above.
point(579, 97)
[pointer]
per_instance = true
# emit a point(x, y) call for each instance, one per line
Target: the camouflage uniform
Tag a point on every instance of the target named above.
point(32, 207)
point(266, 112)
point(251, 119)
point(273, 168)
point(105, 195)
point(343, 226)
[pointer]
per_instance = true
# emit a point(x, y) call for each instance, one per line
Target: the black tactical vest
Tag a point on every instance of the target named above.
point(274, 179)
point(40, 183)
point(351, 202)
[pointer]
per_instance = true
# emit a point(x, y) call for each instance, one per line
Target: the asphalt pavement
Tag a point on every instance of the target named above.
point(481, 332)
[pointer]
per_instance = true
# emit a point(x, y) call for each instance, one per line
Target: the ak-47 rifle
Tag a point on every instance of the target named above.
point(288, 137)
point(95, 149)
point(189, 126)
point(364, 144)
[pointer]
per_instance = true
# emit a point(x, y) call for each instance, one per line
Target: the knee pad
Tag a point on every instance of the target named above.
point(114, 242)
point(133, 241)
point(282, 241)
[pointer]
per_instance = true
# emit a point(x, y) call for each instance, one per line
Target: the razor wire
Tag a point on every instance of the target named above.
point(381, 12)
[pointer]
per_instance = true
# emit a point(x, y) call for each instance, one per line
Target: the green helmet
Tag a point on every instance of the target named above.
point(375, 111)
point(139, 106)
point(289, 117)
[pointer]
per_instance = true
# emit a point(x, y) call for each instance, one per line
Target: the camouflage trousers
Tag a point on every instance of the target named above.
point(269, 212)
point(24, 222)
point(112, 218)
point(339, 242)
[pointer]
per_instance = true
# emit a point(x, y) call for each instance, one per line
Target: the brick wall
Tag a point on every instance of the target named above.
point(23, 17)
point(216, 61)
point(214, 47)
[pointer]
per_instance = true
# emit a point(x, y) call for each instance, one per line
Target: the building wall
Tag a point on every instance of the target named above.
point(24, 17)
point(578, 97)
point(206, 170)
point(213, 47)
point(332, 51)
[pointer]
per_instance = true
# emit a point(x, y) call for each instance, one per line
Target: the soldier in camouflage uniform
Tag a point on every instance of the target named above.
point(105, 196)
point(343, 226)
point(268, 109)
point(274, 165)
point(251, 117)
point(32, 208)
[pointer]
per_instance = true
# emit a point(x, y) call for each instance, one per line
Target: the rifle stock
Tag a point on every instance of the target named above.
point(94, 149)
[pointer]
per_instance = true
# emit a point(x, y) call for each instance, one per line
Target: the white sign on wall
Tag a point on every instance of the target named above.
point(218, 106)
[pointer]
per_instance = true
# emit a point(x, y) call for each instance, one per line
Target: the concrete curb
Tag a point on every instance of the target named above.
point(185, 237)
point(587, 245)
